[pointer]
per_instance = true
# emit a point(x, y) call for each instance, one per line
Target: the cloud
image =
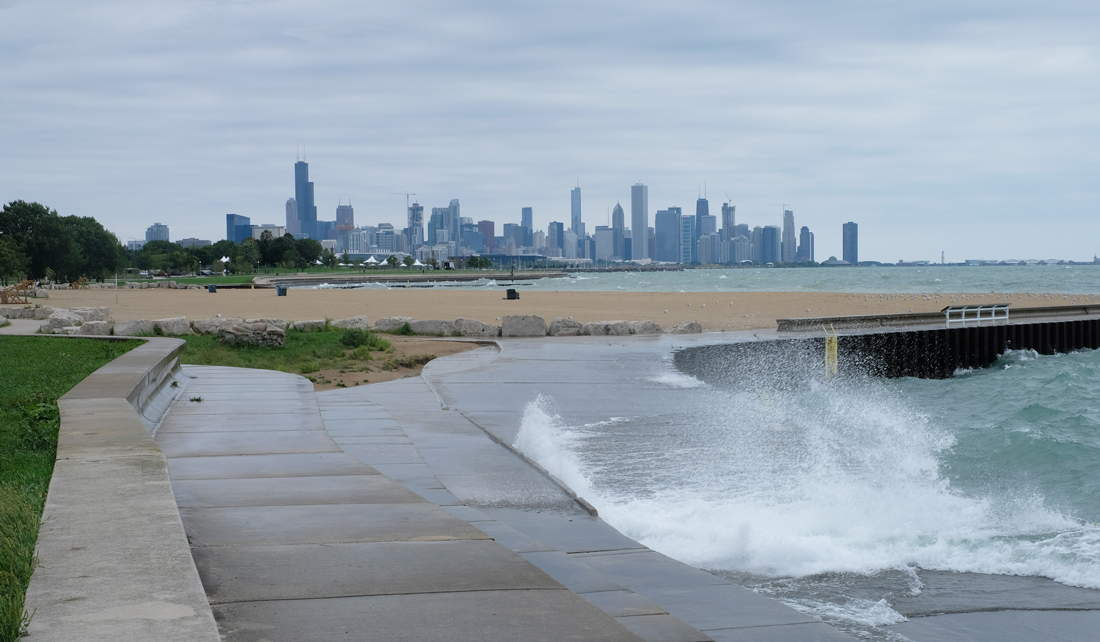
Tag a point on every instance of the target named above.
point(940, 126)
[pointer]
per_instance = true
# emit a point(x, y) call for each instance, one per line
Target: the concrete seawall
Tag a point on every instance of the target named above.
point(114, 563)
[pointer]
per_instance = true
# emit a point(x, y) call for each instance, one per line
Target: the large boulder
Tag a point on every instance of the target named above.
point(253, 334)
point(316, 325)
point(562, 327)
point(11, 312)
point(133, 328)
point(645, 327)
point(60, 319)
point(278, 323)
point(93, 314)
point(687, 327)
point(41, 294)
point(43, 313)
point(607, 329)
point(470, 328)
point(523, 325)
point(389, 324)
point(97, 328)
point(211, 326)
point(354, 323)
point(173, 327)
point(433, 327)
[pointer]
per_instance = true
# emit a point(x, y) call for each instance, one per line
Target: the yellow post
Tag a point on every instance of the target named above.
point(832, 354)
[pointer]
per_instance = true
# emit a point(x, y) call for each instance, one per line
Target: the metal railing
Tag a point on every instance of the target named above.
point(962, 314)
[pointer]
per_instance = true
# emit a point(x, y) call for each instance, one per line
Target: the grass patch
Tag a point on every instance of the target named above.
point(404, 330)
point(34, 373)
point(305, 352)
point(4, 323)
point(411, 361)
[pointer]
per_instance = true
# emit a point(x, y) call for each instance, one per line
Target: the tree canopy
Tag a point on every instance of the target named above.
point(66, 246)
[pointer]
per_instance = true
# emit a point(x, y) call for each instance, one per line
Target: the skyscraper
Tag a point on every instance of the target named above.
point(667, 229)
point(687, 239)
point(771, 239)
point(702, 208)
point(292, 226)
point(345, 217)
point(488, 230)
point(729, 221)
point(790, 241)
point(639, 222)
point(527, 221)
point(805, 245)
point(618, 230)
point(851, 243)
point(575, 207)
point(555, 235)
point(237, 227)
point(156, 232)
point(416, 225)
point(303, 195)
point(454, 222)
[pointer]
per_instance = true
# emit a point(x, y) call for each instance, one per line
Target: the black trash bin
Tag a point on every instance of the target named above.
point(212, 289)
point(280, 290)
point(513, 294)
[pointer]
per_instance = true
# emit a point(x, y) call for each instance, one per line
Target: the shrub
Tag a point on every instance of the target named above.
point(354, 338)
point(405, 330)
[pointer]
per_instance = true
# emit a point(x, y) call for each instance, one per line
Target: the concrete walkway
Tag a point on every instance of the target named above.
point(297, 535)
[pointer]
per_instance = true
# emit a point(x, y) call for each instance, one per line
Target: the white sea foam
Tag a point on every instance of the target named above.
point(808, 482)
point(675, 379)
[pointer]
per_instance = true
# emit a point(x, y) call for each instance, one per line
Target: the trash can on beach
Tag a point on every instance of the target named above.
point(212, 289)
point(280, 290)
point(513, 295)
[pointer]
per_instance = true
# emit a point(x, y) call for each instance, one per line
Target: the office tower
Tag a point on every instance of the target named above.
point(758, 245)
point(454, 222)
point(708, 249)
point(527, 221)
point(237, 227)
point(488, 230)
point(387, 243)
point(687, 240)
point(575, 208)
point(702, 208)
point(742, 250)
point(605, 243)
point(639, 222)
point(516, 234)
point(618, 227)
point(667, 224)
point(805, 245)
point(438, 223)
point(292, 225)
point(789, 239)
point(156, 232)
point(771, 239)
point(851, 243)
point(345, 218)
point(303, 195)
point(194, 242)
point(325, 230)
point(569, 244)
point(555, 235)
point(729, 221)
point(705, 224)
point(416, 225)
point(741, 230)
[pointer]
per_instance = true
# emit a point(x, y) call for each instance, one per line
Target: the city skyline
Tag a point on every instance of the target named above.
point(906, 118)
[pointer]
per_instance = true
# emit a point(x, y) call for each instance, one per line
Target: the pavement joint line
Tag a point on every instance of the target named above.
point(350, 595)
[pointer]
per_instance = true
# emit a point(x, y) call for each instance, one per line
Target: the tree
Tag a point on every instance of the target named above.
point(308, 250)
point(41, 236)
point(328, 257)
point(392, 261)
point(346, 258)
point(408, 261)
point(290, 259)
point(248, 252)
point(13, 263)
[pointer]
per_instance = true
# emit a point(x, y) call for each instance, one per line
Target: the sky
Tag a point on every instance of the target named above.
point(971, 128)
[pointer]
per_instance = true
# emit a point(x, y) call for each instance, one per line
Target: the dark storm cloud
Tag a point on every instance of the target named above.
point(963, 127)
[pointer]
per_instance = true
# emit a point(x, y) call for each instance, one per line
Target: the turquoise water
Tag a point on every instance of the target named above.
point(861, 501)
point(1077, 279)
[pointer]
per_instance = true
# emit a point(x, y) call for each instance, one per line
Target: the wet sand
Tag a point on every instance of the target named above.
point(716, 312)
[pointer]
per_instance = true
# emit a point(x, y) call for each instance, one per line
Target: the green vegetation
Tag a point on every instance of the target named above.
point(305, 352)
point(405, 330)
point(411, 361)
point(35, 242)
point(34, 373)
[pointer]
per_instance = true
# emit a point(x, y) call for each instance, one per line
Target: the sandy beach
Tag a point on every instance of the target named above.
point(716, 312)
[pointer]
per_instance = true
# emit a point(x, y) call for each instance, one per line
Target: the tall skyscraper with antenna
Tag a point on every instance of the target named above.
point(303, 195)
point(639, 222)
point(575, 207)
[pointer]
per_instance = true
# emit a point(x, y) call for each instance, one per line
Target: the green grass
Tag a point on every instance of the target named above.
point(305, 352)
point(34, 372)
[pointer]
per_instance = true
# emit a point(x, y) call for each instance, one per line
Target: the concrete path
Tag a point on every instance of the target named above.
point(297, 535)
point(21, 326)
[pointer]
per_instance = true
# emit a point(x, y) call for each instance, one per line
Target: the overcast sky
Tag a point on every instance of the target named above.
point(968, 127)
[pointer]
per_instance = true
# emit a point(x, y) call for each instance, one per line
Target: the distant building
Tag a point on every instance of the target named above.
point(488, 230)
point(156, 232)
point(527, 222)
point(237, 227)
point(790, 242)
point(805, 251)
point(708, 248)
point(667, 231)
point(292, 225)
point(555, 235)
point(345, 217)
point(851, 243)
point(575, 212)
point(303, 195)
point(758, 245)
point(702, 208)
point(605, 243)
point(416, 225)
point(707, 223)
point(770, 238)
point(569, 244)
point(277, 231)
point(688, 244)
point(729, 222)
point(134, 245)
point(618, 228)
point(193, 242)
point(639, 222)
